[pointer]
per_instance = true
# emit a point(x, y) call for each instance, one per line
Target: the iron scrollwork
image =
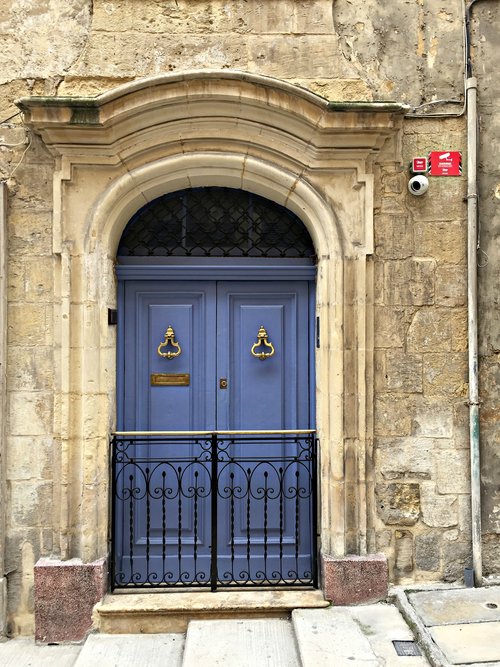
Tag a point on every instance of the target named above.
point(170, 490)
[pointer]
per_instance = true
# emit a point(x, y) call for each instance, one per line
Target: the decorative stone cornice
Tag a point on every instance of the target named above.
point(192, 107)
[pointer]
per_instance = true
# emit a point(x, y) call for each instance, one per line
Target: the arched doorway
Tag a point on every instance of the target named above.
point(215, 464)
point(115, 152)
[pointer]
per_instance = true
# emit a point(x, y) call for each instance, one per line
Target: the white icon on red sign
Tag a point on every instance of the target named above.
point(419, 165)
point(445, 163)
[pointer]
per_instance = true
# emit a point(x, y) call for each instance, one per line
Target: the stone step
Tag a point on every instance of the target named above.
point(168, 612)
point(245, 643)
point(132, 651)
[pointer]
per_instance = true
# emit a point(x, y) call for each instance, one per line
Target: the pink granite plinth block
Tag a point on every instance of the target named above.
point(354, 579)
point(65, 594)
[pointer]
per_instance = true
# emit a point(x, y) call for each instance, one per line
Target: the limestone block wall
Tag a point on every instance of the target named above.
point(32, 446)
point(339, 49)
point(421, 459)
point(416, 474)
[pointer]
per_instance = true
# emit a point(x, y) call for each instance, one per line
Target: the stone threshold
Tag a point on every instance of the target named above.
point(122, 613)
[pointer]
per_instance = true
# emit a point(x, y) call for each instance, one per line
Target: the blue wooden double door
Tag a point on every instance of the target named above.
point(198, 359)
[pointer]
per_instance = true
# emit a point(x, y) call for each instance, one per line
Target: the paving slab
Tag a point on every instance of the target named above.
point(24, 652)
point(328, 637)
point(382, 624)
point(241, 643)
point(462, 605)
point(131, 650)
point(469, 643)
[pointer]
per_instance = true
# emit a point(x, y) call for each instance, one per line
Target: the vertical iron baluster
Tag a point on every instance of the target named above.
point(131, 526)
point(282, 491)
point(297, 518)
point(195, 513)
point(249, 496)
point(163, 525)
point(148, 522)
point(266, 474)
point(214, 492)
point(231, 520)
point(179, 522)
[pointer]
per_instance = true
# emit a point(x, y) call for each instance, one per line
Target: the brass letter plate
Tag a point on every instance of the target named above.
point(170, 379)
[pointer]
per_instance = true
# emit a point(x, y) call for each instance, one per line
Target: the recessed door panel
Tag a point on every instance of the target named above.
point(150, 308)
point(273, 392)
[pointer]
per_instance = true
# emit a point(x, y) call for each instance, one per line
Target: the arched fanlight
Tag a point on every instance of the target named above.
point(215, 222)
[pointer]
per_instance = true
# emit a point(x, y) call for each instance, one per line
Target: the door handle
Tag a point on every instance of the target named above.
point(169, 340)
point(262, 342)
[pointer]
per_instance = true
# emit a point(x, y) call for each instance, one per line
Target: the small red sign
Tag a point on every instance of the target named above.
point(445, 163)
point(419, 165)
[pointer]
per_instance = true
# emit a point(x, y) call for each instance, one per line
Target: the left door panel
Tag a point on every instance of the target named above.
point(148, 310)
point(162, 524)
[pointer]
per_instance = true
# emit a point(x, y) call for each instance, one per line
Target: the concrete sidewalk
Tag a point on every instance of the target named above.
point(340, 636)
point(453, 626)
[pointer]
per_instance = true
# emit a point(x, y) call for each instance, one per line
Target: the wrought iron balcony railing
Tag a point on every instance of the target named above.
point(214, 509)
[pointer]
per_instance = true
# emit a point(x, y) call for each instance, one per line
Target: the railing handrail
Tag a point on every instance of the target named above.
point(206, 433)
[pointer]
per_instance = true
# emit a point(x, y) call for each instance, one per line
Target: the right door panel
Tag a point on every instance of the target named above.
point(262, 480)
point(271, 393)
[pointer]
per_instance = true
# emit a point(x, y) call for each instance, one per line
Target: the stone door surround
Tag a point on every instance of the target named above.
point(115, 152)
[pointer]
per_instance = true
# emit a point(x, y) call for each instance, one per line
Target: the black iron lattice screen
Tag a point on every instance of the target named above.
point(215, 222)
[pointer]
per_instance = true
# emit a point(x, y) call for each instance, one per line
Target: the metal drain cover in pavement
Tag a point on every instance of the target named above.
point(406, 648)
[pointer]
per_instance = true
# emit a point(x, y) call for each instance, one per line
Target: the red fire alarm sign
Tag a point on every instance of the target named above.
point(445, 163)
point(419, 165)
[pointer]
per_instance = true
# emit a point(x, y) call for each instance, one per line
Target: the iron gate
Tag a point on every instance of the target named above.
point(206, 509)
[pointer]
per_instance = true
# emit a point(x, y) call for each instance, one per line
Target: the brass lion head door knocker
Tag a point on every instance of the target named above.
point(263, 343)
point(169, 342)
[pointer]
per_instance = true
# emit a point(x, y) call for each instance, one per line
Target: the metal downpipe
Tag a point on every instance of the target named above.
point(472, 236)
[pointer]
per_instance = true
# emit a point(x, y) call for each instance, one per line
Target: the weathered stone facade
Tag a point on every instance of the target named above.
point(392, 288)
point(421, 458)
